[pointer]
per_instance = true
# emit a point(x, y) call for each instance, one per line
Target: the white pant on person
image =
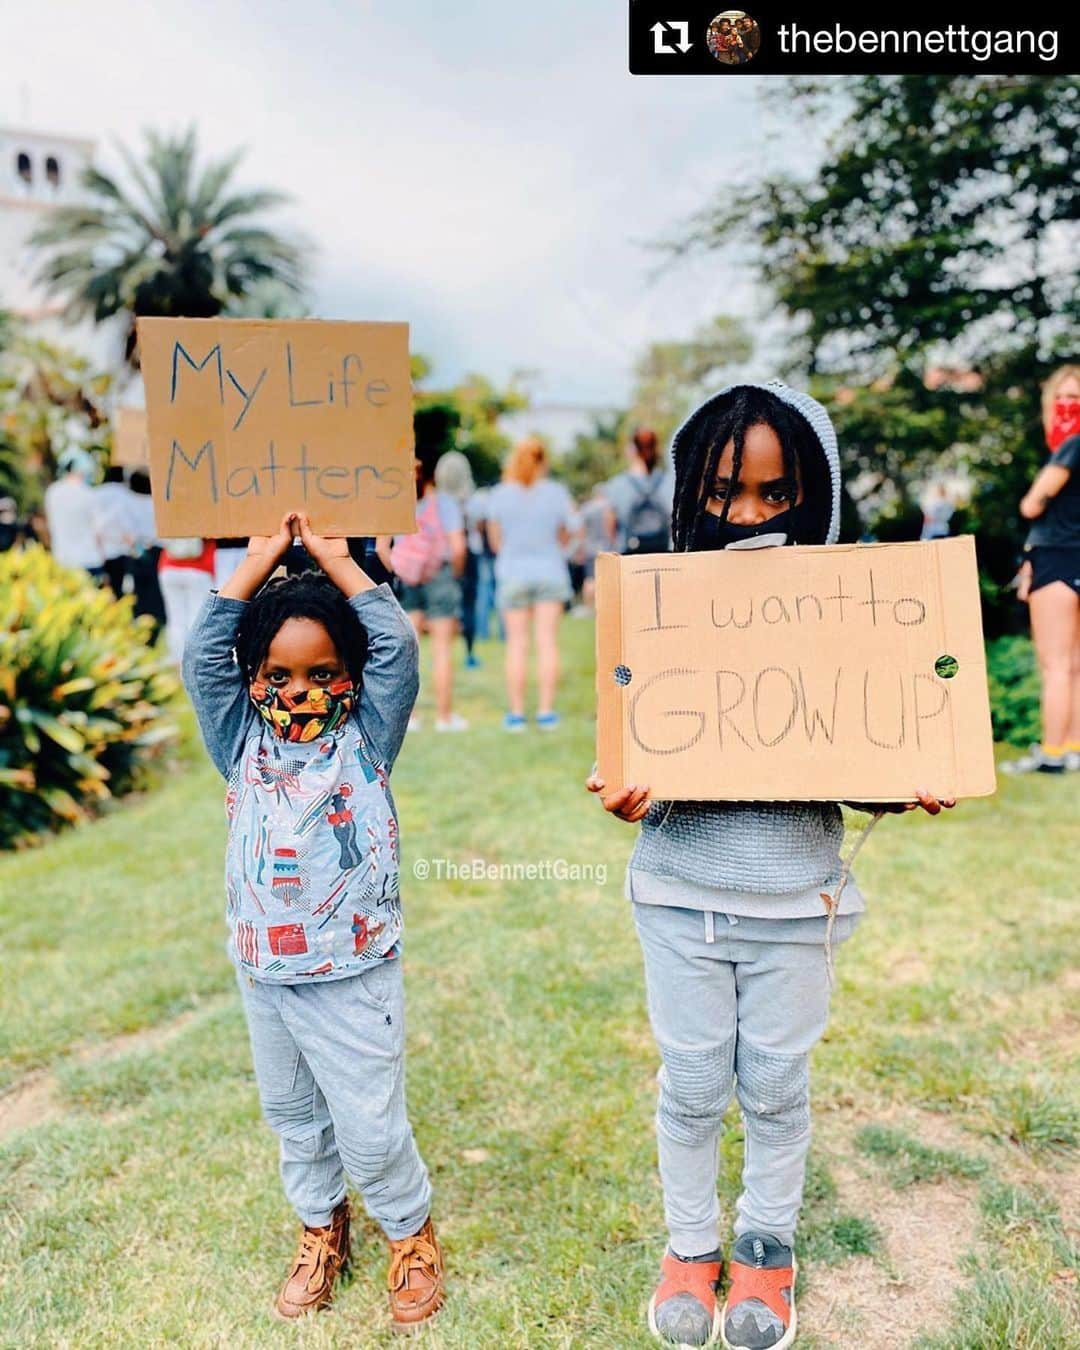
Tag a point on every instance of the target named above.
point(183, 589)
point(226, 561)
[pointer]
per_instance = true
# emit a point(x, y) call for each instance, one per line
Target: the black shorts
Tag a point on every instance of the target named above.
point(1050, 564)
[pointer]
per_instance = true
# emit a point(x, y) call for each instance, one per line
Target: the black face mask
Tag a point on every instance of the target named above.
point(795, 523)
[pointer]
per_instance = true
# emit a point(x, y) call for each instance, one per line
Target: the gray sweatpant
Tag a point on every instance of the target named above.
point(733, 1004)
point(330, 1067)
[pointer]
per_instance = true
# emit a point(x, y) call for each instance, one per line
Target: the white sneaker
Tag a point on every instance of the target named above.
point(415, 723)
point(1072, 761)
point(455, 722)
point(1035, 761)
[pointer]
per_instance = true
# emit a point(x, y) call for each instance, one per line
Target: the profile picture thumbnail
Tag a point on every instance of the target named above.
point(733, 37)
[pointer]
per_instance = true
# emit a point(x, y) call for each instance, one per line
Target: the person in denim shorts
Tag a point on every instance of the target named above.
point(531, 523)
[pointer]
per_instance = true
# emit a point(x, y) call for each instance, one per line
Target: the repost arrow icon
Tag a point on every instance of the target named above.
point(660, 31)
point(685, 44)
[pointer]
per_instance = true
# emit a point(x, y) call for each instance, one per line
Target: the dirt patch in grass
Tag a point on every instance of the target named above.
point(1059, 1036)
point(32, 1101)
point(1060, 1179)
point(908, 1287)
point(35, 1099)
point(909, 969)
point(935, 1128)
point(1067, 1188)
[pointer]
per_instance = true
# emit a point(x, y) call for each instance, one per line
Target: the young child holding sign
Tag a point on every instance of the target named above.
point(728, 905)
point(305, 722)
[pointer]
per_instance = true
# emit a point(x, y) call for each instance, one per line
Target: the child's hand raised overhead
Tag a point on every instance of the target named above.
point(630, 804)
point(264, 552)
point(271, 548)
point(333, 556)
point(320, 549)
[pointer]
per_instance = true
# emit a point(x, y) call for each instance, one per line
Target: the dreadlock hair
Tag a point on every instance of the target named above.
point(698, 447)
point(306, 595)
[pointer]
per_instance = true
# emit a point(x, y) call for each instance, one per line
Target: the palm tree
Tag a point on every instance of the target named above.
point(175, 241)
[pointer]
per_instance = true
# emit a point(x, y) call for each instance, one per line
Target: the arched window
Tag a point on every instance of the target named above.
point(52, 171)
point(23, 167)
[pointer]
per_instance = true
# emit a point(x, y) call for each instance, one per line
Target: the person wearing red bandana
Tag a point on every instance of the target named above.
point(1050, 579)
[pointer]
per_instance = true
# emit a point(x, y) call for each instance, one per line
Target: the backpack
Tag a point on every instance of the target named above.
point(416, 558)
point(648, 529)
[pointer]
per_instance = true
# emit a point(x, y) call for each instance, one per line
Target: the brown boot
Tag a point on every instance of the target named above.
point(321, 1257)
point(415, 1279)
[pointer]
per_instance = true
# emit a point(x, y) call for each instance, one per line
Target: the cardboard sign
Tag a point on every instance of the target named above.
point(249, 419)
point(844, 673)
point(130, 448)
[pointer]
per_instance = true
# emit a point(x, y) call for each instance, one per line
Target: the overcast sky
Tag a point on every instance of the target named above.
point(489, 173)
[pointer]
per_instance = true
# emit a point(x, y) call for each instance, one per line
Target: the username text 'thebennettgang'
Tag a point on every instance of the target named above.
point(956, 39)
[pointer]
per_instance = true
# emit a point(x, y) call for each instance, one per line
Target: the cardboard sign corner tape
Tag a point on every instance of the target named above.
point(844, 672)
point(250, 418)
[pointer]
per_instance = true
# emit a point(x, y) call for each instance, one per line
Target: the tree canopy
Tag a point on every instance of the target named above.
point(466, 418)
point(927, 264)
point(670, 378)
point(175, 239)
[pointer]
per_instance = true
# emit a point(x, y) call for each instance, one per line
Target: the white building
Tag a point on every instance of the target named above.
point(38, 173)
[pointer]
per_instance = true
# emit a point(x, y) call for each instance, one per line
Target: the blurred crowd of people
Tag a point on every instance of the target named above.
point(107, 529)
point(512, 559)
point(522, 554)
point(507, 560)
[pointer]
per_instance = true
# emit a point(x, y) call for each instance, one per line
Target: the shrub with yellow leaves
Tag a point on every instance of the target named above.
point(84, 699)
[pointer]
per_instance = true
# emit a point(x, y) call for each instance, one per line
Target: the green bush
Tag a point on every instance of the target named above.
point(82, 696)
point(1014, 690)
point(901, 523)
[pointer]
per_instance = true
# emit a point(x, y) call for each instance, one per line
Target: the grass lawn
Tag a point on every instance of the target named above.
point(139, 1199)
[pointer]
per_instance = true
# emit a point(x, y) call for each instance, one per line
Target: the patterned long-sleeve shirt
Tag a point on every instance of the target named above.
point(311, 870)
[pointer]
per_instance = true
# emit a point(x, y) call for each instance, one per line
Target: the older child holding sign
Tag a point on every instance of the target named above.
point(305, 721)
point(728, 905)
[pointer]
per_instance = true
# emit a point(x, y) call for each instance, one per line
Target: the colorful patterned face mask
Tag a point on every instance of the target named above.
point(315, 713)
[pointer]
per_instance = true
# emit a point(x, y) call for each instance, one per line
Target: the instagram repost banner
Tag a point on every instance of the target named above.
point(688, 37)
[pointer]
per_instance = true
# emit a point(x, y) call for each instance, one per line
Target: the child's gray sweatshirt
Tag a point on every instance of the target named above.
point(755, 859)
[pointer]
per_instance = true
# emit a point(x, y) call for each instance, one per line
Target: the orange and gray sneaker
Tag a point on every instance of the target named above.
point(760, 1310)
point(322, 1255)
point(684, 1310)
point(415, 1278)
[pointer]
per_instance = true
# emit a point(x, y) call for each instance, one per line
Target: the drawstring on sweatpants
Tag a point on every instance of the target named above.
point(710, 928)
point(832, 902)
